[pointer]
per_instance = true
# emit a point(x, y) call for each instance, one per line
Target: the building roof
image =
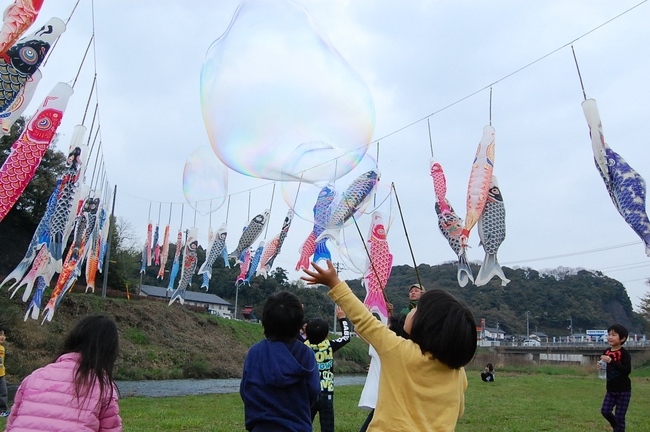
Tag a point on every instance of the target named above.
point(193, 296)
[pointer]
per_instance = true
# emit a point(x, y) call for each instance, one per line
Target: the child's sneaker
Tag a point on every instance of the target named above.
point(4, 414)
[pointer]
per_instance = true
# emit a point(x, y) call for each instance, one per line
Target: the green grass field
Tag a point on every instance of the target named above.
point(518, 402)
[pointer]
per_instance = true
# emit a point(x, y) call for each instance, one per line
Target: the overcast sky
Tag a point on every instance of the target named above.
point(416, 57)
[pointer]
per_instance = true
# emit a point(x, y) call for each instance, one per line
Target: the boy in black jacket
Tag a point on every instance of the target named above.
point(619, 387)
point(324, 349)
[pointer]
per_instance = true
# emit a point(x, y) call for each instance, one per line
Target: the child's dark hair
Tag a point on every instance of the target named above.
point(489, 367)
point(444, 328)
point(317, 330)
point(96, 339)
point(2, 329)
point(620, 331)
point(282, 316)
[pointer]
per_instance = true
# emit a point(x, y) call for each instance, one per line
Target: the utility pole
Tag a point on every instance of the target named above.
point(111, 228)
point(497, 335)
point(570, 325)
point(527, 324)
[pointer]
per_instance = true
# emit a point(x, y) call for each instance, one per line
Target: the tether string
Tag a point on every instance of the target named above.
point(83, 60)
point(270, 208)
point(579, 75)
point(408, 240)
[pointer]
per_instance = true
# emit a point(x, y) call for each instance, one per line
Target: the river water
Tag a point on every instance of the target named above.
point(164, 388)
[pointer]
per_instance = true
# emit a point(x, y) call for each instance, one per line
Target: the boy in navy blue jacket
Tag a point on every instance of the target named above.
point(280, 380)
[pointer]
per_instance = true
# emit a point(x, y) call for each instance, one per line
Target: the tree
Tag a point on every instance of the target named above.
point(125, 255)
point(644, 307)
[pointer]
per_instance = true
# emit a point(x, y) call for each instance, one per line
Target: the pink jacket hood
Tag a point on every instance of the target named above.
point(45, 400)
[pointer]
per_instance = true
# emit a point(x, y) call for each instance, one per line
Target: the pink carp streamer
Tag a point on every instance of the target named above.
point(306, 251)
point(479, 182)
point(148, 244)
point(378, 272)
point(245, 265)
point(450, 225)
point(28, 150)
point(17, 19)
point(439, 184)
point(164, 254)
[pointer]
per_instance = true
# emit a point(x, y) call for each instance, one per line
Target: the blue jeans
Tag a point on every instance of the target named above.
point(324, 406)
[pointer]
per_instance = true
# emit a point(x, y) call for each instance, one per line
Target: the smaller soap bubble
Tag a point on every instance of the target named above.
point(352, 252)
point(205, 181)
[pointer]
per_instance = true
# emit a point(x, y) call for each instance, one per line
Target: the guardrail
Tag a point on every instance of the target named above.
point(488, 343)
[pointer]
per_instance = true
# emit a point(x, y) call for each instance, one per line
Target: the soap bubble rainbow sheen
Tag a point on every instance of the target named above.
point(205, 181)
point(279, 102)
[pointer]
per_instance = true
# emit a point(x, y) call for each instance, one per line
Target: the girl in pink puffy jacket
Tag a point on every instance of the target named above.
point(76, 392)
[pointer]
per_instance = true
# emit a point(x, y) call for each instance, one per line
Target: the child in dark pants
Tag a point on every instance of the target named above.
point(324, 349)
point(619, 387)
point(280, 379)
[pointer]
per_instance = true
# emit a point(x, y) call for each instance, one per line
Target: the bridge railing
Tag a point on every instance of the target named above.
point(577, 344)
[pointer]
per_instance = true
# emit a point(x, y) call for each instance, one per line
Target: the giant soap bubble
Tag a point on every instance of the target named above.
point(279, 102)
point(205, 181)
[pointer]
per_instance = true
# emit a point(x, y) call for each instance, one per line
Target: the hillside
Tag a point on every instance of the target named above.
point(555, 299)
point(156, 341)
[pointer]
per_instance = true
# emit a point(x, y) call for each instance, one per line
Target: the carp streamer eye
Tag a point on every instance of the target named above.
point(28, 55)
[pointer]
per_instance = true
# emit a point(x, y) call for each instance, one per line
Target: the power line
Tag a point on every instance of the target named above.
point(575, 253)
point(509, 75)
point(636, 280)
point(626, 268)
point(625, 265)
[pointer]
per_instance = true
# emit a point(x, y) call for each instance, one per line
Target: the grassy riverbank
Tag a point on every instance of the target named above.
point(156, 341)
point(515, 402)
point(548, 399)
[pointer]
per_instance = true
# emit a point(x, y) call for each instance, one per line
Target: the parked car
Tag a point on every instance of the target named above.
point(531, 342)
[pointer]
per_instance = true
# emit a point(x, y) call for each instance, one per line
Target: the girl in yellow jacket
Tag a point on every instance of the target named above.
point(422, 381)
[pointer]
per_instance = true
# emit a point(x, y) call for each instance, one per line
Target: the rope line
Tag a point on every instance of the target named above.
point(408, 240)
point(575, 253)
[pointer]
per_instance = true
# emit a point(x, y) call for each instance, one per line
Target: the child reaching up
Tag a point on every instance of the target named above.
point(76, 392)
point(422, 380)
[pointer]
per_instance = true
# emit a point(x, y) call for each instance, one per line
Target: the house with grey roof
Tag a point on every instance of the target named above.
point(212, 303)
